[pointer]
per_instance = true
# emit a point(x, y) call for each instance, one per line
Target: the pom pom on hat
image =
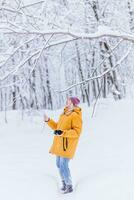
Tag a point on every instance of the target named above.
point(75, 101)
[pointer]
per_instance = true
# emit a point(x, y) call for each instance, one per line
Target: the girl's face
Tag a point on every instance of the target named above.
point(69, 103)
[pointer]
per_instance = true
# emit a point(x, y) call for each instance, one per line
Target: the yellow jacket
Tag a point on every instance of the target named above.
point(71, 125)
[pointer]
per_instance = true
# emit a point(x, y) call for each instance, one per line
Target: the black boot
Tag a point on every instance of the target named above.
point(63, 188)
point(69, 189)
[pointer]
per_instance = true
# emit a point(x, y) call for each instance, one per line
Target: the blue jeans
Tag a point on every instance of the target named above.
point(62, 164)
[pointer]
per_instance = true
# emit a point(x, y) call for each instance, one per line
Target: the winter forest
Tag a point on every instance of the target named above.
point(52, 49)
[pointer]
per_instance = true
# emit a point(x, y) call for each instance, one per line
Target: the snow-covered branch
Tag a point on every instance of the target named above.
point(18, 12)
point(32, 4)
point(19, 66)
point(99, 34)
point(21, 45)
point(39, 52)
point(100, 75)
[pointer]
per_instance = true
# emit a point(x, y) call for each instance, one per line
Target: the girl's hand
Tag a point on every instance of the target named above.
point(46, 118)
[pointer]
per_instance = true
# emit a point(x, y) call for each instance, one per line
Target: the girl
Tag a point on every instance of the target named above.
point(67, 131)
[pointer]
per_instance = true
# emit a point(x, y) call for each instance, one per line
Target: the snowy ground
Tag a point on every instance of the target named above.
point(103, 168)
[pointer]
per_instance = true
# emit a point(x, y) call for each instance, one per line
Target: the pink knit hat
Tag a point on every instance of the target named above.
point(75, 101)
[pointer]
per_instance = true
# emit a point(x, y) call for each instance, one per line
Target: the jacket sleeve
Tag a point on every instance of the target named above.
point(52, 124)
point(75, 131)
